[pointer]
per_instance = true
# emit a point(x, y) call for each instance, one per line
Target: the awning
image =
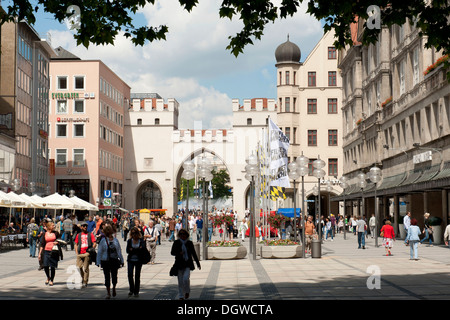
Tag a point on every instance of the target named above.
point(429, 173)
point(445, 172)
point(392, 181)
point(412, 177)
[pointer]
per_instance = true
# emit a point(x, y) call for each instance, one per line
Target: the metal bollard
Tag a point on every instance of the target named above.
point(316, 249)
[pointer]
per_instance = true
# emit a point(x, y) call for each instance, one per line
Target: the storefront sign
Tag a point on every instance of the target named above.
point(65, 95)
point(71, 172)
point(59, 119)
point(422, 157)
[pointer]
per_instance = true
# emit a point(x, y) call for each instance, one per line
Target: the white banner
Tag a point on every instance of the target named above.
point(278, 147)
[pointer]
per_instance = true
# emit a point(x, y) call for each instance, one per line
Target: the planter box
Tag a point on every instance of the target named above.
point(402, 231)
point(437, 234)
point(226, 253)
point(281, 252)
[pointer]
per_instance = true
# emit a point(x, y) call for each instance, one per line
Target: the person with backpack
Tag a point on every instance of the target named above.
point(109, 257)
point(84, 243)
point(32, 236)
point(151, 236)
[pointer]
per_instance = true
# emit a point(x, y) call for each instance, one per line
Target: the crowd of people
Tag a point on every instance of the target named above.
point(95, 240)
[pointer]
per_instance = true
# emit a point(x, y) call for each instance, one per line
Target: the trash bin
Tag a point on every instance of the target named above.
point(197, 250)
point(316, 248)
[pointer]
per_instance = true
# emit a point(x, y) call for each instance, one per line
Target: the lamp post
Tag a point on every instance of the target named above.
point(344, 184)
point(252, 169)
point(294, 175)
point(188, 174)
point(362, 184)
point(375, 177)
point(319, 173)
point(204, 173)
point(302, 169)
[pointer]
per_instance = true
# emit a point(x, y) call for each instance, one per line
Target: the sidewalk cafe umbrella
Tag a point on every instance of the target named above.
point(84, 205)
point(15, 201)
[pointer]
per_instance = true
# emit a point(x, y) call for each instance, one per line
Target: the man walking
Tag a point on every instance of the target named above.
point(172, 224)
point(199, 223)
point(32, 236)
point(360, 229)
point(372, 225)
point(83, 242)
point(68, 230)
point(407, 224)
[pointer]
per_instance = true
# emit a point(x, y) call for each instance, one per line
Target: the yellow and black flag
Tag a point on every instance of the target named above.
point(277, 192)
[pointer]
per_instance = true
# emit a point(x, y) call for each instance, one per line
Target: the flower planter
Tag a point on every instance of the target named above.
point(281, 252)
point(226, 253)
point(437, 234)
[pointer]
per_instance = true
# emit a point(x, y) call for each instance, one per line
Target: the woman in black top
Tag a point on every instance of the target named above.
point(184, 252)
point(135, 251)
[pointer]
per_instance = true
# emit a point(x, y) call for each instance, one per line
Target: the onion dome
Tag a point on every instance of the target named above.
point(288, 52)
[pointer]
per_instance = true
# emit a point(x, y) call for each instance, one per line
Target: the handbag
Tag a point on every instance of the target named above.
point(55, 250)
point(173, 271)
point(146, 256)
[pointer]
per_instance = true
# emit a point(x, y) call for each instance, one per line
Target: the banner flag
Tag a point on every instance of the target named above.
point(277, 192)
point(278, 148)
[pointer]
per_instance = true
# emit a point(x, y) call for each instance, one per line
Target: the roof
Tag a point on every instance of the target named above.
point(63, 54)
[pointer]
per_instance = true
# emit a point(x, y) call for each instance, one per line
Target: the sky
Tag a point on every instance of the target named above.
point(193, 65)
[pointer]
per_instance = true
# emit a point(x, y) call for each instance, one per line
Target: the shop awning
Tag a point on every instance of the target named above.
point(429, 173)
point(289, 212)
point(392, 181)
point(444, 173)
point(412, 177)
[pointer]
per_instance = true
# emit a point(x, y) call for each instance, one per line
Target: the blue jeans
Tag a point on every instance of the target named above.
point(329, 232)
point(134, 282)
point(32, 242)
point(427, 236)
point(172, 235)
point(361, 240)
point(199, 234)
point(413, 251)
point(210, 231)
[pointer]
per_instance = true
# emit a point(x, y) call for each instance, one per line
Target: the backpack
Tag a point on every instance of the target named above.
point(35, 231)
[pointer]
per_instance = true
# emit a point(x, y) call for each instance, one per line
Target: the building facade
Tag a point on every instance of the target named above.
point(396, 117)
point(86, 121)
point(24, 92)
point(309, 99)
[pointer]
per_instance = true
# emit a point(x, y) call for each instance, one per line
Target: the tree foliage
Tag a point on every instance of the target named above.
point(102, 20)
point(219, 184)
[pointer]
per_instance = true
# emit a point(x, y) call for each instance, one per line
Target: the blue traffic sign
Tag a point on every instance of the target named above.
point(107, 193)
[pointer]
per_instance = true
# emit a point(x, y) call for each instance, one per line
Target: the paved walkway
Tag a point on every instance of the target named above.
point(343, 272)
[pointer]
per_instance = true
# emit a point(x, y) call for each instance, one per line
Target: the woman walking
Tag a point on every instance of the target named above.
point(109, 257)
point(184, 252)
point(388, 234)
point(47, 254)
point(413, 239)
point(135, 251)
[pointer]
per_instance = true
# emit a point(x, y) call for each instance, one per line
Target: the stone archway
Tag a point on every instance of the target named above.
point(149, 196)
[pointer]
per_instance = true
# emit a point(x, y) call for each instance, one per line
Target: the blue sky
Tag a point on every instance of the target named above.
point(193, 65)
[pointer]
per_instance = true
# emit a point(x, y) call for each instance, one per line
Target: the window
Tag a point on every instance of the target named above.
point(332, 78)
point(287, 77)
point(311, 167)
point(249, 121)
point(139, 122)
point(401, 72)
point(416, 66)
point(332, 138)
point(287, 105)
point(332, 105)
point(287, 132)
point(78, 106)
point(332, 167)
point(331, 53)
point(78, 157)
point(61, 157)
point(311, 79)
point(61, 106)
point(61, 130)
point(78, 130)
point(62, 83)
point(79, 82)
point(157, 121)
point(312, 106)
point(312, 138)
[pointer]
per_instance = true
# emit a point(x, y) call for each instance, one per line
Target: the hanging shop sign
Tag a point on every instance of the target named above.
point(65, 95)
point(60, 119)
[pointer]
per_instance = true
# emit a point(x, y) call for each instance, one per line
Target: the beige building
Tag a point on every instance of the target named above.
point(396, 117)
point(87, 107)
point(309, 112)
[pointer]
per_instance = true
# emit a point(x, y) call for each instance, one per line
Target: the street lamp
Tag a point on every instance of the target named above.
point(302, 169)
point(344, 184)
point(375, 177)
point(188, 174)
point(362, 183)
point(294, 175)
point(204, 173)
point(32, 187)
point(252, 169)
point(319, 173)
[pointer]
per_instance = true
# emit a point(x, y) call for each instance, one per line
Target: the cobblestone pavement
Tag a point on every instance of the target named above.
point(342, 272)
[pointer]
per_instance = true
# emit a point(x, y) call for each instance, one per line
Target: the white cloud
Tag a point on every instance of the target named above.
point(193, 59)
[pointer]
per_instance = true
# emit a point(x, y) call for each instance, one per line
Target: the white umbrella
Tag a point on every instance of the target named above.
point(82, 203)
point(33, 202)
point(15, 202)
